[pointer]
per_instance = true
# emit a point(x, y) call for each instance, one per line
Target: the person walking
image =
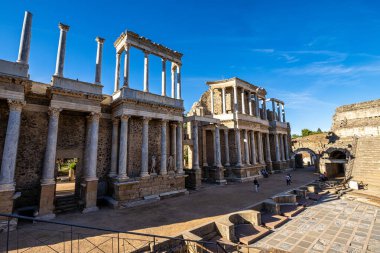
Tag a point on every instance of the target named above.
point(287, 179)
point(256, 184)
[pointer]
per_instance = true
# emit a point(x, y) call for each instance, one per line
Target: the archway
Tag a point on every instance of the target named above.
point(334, 162)
point(305, 157)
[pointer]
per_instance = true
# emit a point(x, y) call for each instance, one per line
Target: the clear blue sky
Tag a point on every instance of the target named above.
point(314, 55)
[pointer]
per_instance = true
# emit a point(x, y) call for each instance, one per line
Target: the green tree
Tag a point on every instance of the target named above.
point(306, 132)
point(319, 130)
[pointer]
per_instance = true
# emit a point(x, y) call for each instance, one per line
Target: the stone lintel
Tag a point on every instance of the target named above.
point(76, 85)
point(142, 113)
point(207, 119)
point(74, 106)
point(237, 82)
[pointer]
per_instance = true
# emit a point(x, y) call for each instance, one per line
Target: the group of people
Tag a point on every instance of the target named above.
point(323, 177)
point(265, 174)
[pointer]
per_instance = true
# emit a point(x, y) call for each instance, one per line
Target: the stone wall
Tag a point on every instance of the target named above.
point(3, 125)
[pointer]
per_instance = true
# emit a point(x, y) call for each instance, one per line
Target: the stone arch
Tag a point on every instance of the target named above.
point(313, 155)
point(329, 153)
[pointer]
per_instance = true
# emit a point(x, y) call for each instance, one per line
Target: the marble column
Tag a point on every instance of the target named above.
point(145, 148)
point(173, 147)
point(123, 148)
point(146, 71)
point(26, 34)
point(99, 56)
point(282, 147)
point(163, 77)
point(257, 106)
point(8, 163)
point(277, 148)
point(212, 100)
point(117, 72)
point(173, 70)
point(267, 144)
point(214, 146)
point(163, 168)
point(218, 162)
point(242, 101)
point(274, 110)
point(227, 148)
point(179, 96)
point(253, 148)
point(279, 111)
point(238, 147)
point(126, 65)
point(204, 147)
point(236, 109)
point(179, 149)
point(261, 148)
point(224, 100)
point(246, 149)
point(265, 114)
point(195, 145)
point(283, 113)
point(61, 49)
point(250, 103)
point(91, 146)
point(286, 147)
point(114, 149)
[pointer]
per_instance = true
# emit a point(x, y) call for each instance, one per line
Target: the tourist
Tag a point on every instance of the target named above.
point(288, 179)
point(256, 184)
point(264, 173)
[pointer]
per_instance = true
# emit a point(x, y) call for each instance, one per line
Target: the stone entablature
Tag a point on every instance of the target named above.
point(76, 86)
point(14, 69)
point(237, 82)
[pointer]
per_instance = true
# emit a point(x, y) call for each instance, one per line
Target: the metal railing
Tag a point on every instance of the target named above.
point(26, 234)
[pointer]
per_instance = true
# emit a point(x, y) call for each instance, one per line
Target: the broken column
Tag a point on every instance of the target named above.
point(99, 55)
point(61, 49)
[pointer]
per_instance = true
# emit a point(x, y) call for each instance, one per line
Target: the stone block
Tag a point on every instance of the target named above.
point(47, 196)
point(90, 196)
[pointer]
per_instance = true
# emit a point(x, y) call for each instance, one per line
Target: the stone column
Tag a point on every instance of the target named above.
point(214, 146)
point(218, 156)
point(126, 65)
point(250, 103)
point(123, 149)
point(61, 49)
point(26, 34)
point(227, 149)
point(173, 147)
point(146, 71)
point(279, 111)
point(257, 106)
point(267, 144)
point(117, 72)
point(283, 113)
point(204, 147)
point(242, 101)
point(238, 147)
point(236, 109)
point(212, 100)
point(179, 82)
point(179, 149)
point(260, 143)
point(99, 55)
point(253, 148)
point(163, 168)
point(265, 109)
point(163, 77)
point(282, 147)
point(91, 146)
point(224, 100)
point(195, 145)
point(114, 150)
point(286, 147)
point(246, 149)
point(145, 148)
point(274, 110)
point(277, 148)
point(173, 68)
point(8, 163)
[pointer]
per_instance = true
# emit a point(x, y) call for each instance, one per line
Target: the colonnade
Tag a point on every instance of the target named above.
point(278, 109)
point(119, 160)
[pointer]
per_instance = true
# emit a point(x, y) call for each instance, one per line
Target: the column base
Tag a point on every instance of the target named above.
point(7, 187)
point(227, 164)
point(269, 166)
point(90, 209)
point(47, 196)
point(49, 216)
point(6, 201)
point(145, 174)
point(194, 179)
point(90, 195)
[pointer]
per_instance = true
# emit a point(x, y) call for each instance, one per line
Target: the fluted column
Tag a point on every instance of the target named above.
point(260, 143)
point(173, 70)
point(123, 149)
point(242, 101)
point(126, 65)
point(286, 147)
point(282, 148)
point(163, 169)
point(145, 148)
point(238, 147)
point(279, 111)
point(283, 113)
point(253, 148)
point(218, 156)
point(227, 148)
point(195, 145)
point(277, 148)
point(204, 147)
point(26, 34)
point(8, 163)
point(179, 96)
point(179, 149)
point(99, 56)
point(117, 72)
point(235, 100)
point(91, 146)
point(173, 147)
point(250, 103)
point(274, 110)
point(114, 149)
point(212, 100)
point(146, 72)
point(224, 100)
point(257, 105)
point(163, 77)
point(61, 49)
point(267, 144)
point(246, 149)
point(265, 109)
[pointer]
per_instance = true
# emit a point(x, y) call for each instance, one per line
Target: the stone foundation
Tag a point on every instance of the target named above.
point(6, 201)
point(90, 196)
point(244, 174)
point(214, 174)
point(46, 208)
point(194, 179)
point(280, 166)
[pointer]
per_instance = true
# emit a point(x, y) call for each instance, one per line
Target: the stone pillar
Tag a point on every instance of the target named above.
point(277, 148)
point(265, 109)
point(8, 163)
point(227, 148)
point(145, 148)
point(173, 68)
point(246, 149)
point(274, 110)
point(238, 147)
point(179, 149)
point(236, 109)
point(253, 148)
point(204, 147)
point(173, 147)
point(224, 100)
point(218, 156)
point(163, 78)
point(283, 113)
point(286, 147)
point(279, 111)
point(123, 149)
point(212, 100)
point(163, 168)
point(126, 65)
point(117, 72)
point(282, 147)
point(114, 150)
point(61, 49)
point(250, 103)
point(261, 148)
point(214, 146)
point(195, 145)
point(26, 34)
point(99, 56)
point(267, 144)
point(179, 96)
point(242, 101)
point(146, 71)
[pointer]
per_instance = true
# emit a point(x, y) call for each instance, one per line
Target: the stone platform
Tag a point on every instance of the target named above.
point(244, 174)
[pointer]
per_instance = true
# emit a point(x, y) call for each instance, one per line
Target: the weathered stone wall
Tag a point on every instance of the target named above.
point(233, 147)
point(218, 101)
point(3, 125)
point(104, 148)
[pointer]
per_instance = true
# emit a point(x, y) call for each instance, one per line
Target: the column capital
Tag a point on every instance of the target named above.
point(54, 112)
point(195, 122)
point(115, 121)
point(164, 59)
point(99, 40)
point(146, 120)
point(146, 53)
point(127, 47)
point(15, 105)
point(173, 124)
point(63, 27)
point(94, 116)
point(226, 130)
point(124, 117)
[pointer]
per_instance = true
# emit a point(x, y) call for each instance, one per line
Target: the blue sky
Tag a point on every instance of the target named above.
point(314, 55)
